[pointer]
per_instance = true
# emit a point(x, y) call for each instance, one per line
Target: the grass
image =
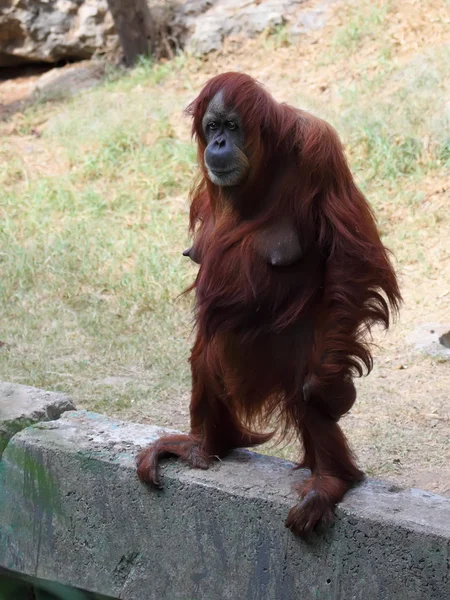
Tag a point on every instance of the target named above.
point(91, 257)
point(93, 214)
point(363, 24)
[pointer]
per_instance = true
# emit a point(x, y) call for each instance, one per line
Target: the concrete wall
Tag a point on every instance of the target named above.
point(73, 511)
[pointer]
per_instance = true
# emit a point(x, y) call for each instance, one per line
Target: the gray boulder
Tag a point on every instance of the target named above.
point(54, 30)
point(432, 339)
point(69, 80)
point(201, 26)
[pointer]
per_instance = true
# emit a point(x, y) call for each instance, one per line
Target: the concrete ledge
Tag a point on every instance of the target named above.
point(21, 405)
point(73, 511)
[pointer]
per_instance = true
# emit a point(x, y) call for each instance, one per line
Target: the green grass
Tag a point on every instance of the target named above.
point(360, 27)
point(366, 22)
point(394, 120)
point(404, 132)
point(277, 37)
point(91, 264)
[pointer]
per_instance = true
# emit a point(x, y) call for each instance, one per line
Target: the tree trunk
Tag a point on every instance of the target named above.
point(134, 27)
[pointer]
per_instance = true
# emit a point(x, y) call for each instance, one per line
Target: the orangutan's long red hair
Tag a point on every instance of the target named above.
point(280, 345)
point(354, 277)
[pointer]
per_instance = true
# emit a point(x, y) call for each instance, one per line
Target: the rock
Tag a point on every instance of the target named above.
point(432, 339)
point(311, 19)
point(202, 25)
point(54, 30)
point(444, 339)
point(53, 84)
point(21, 406)
point(68, 80)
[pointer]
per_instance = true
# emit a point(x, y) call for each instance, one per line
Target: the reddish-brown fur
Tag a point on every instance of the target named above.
point(281, 345)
